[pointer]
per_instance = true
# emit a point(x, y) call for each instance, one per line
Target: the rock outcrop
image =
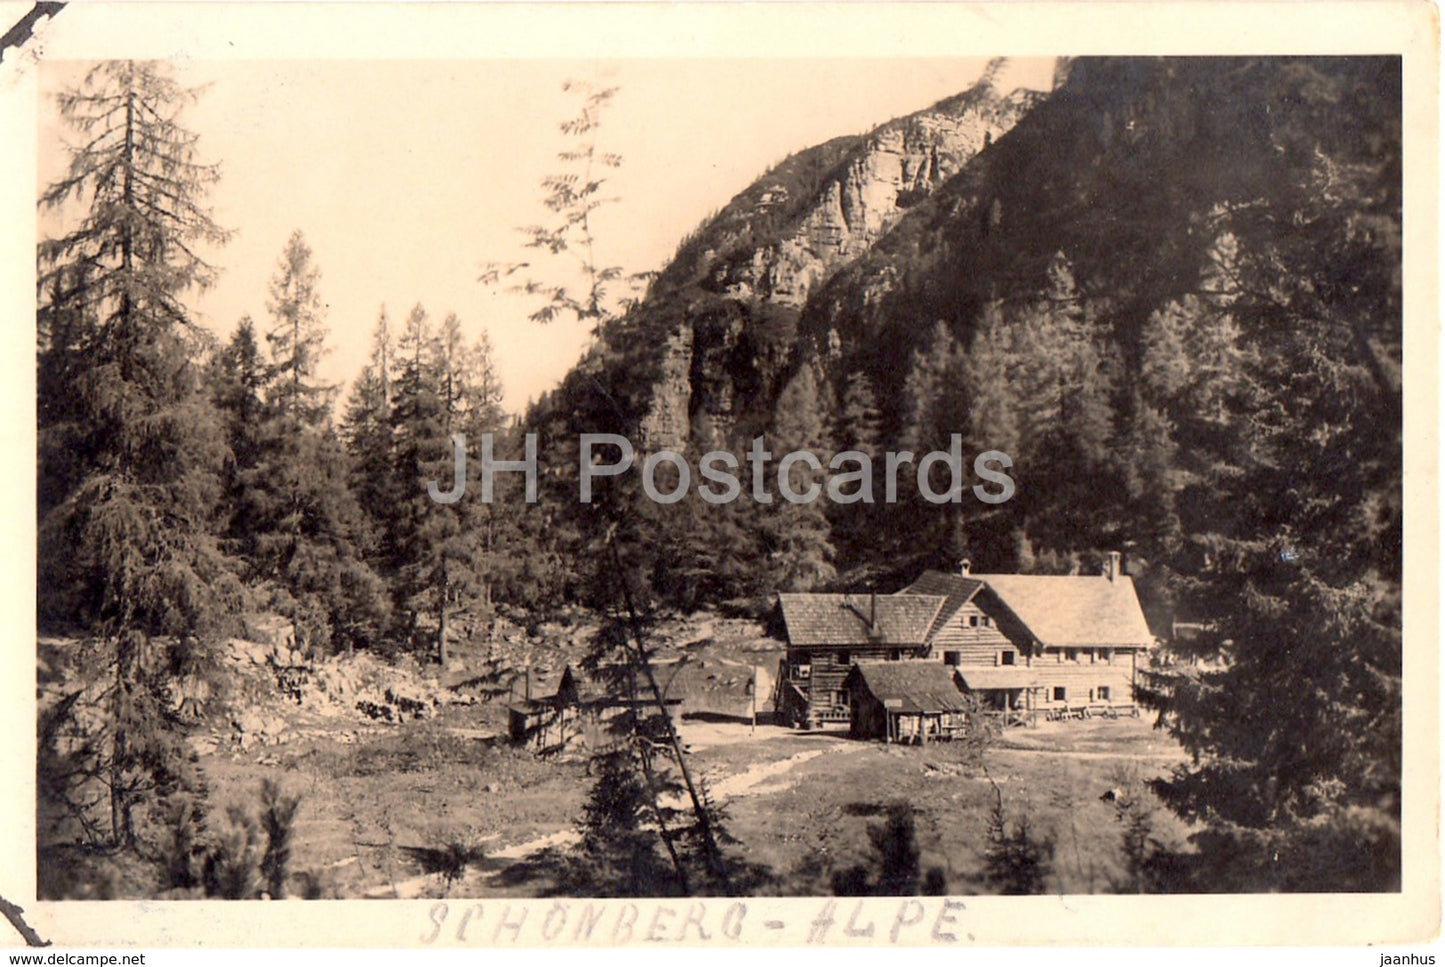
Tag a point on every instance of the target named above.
point(737, 287)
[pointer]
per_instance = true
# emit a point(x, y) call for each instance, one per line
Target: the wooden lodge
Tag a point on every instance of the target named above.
point(1028, 645)
point(911, 702)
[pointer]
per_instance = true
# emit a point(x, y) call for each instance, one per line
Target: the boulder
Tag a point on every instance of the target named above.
point(243, 651)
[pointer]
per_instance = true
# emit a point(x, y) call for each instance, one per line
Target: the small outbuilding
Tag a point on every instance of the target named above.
point(548, 720)
point(905, 701)
point(577, 709)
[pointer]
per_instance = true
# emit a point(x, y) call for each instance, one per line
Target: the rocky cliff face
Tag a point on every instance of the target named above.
point(738, 286)
point(896, 167)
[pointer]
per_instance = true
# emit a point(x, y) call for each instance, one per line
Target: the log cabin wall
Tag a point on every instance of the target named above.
point(978, 637)
point(830, 666)
point(1083, 677)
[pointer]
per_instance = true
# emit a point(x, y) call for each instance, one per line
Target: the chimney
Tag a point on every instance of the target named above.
point(1111, 565)
point(872, 611)
point(963, 566)
point(528, 694)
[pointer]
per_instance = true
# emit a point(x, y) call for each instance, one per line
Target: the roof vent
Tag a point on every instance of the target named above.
point(963, 566)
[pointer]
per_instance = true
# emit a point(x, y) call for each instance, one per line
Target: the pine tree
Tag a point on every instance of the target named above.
point(368, 431)
point(238, 381)
point(935, 407)
point(859, 425)
point(127, 534)
point(495, 526)
point(299, 524)
point(297, 337)
point(417, 423)
point(796, 535)
point(987, 372)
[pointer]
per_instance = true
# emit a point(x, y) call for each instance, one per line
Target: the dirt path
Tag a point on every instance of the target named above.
point(752, 781)
point(1178, 755)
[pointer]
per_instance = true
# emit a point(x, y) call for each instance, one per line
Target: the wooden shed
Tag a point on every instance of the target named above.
point(905, 701)
point(546, 721)
point(577, 709)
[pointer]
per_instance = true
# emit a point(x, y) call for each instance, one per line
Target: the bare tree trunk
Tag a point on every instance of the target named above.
point(654, 795)
point(442, 618)
point(639, 659)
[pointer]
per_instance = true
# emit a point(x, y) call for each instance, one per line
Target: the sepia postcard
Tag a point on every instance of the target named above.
point(734, 475)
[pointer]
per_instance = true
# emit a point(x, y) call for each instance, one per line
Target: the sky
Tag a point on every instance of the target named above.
point(407, 176)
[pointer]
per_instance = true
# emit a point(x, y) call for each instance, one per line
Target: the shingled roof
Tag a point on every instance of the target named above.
point(1074, 610)
point(957, 589)
point(912, 686)
point(842, 619)
point(997, 679)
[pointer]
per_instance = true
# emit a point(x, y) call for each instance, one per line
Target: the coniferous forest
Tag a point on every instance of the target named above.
point(1169, 289)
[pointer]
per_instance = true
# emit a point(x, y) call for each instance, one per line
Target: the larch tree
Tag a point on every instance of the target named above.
point(297, 337)
point(423, 453)
point(796, 530)
point(495, 525)
point(128, 543)
point(302, 527)
point(370, 438)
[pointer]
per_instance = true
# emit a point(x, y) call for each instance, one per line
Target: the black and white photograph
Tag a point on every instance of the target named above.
point(578, 482)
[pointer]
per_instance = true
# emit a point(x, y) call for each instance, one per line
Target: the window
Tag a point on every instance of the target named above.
point(1007, 657)
point(1108, 655)
point(1093, 656)
point(973, 621)
point(1103, 693)
point(1060, 693)
point(842, 658)
point(840, 698)
point(952, 657)
point(1071, 654)
point(987, 621)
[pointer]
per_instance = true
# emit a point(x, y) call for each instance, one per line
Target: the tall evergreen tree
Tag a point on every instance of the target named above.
point(423, 454)
point(935, 407)
point(127, 535)
point(368, 431)
point(494, 527)
point(299, 523)
point(796, 535)
point(297, 337)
